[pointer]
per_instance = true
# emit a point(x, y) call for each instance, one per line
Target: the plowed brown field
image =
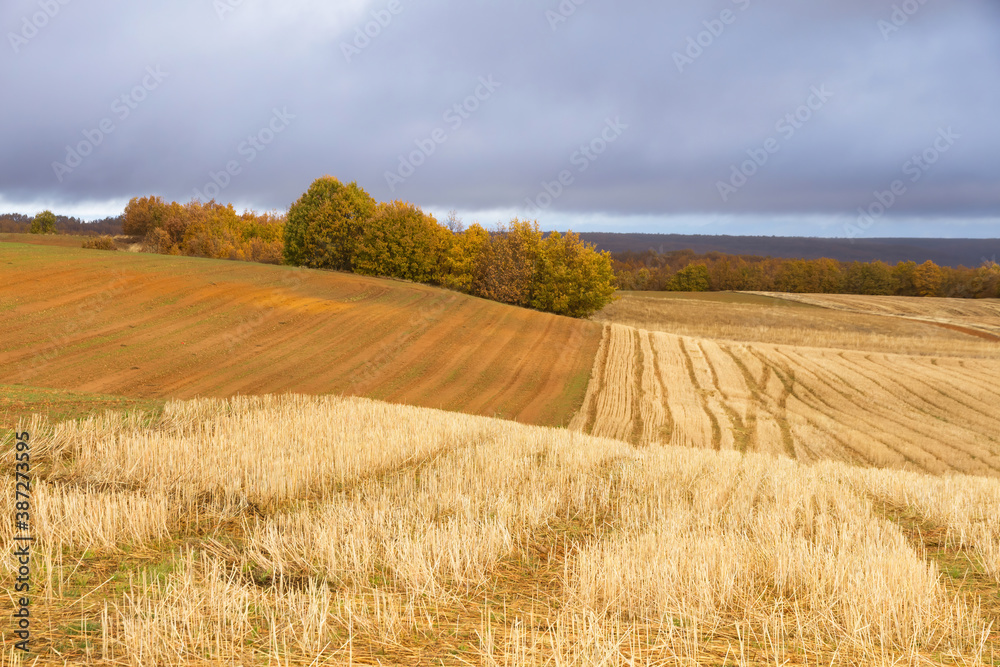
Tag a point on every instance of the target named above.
point(153, 326)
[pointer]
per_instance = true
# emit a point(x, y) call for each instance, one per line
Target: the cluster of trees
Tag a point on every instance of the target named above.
point(44, 223)
point(18, 223)
point(686, 271)
point(205, 230)
point(340, 226)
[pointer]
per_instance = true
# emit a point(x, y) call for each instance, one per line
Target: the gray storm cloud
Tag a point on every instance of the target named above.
point(489, 105)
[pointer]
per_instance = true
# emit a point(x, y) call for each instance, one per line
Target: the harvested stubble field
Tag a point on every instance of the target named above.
point(974, 315)
point(790, 319)
point(934, 414)
point(154, 327)
point(300, 530)
point(754, 485)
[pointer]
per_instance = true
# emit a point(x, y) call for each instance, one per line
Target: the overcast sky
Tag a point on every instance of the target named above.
point(730, 117)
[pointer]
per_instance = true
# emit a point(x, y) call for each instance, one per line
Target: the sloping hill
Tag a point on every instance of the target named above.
point(153, 326)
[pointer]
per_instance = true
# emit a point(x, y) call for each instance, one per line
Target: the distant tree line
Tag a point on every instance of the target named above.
point(18, 223)
point(686, 271)
point(340, 226)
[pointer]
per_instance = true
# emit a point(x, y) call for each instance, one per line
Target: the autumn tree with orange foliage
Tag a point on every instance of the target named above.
point(142, 214)
point(219, 232)
point(507, 265)
point(205, 230)
point(927, 279)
